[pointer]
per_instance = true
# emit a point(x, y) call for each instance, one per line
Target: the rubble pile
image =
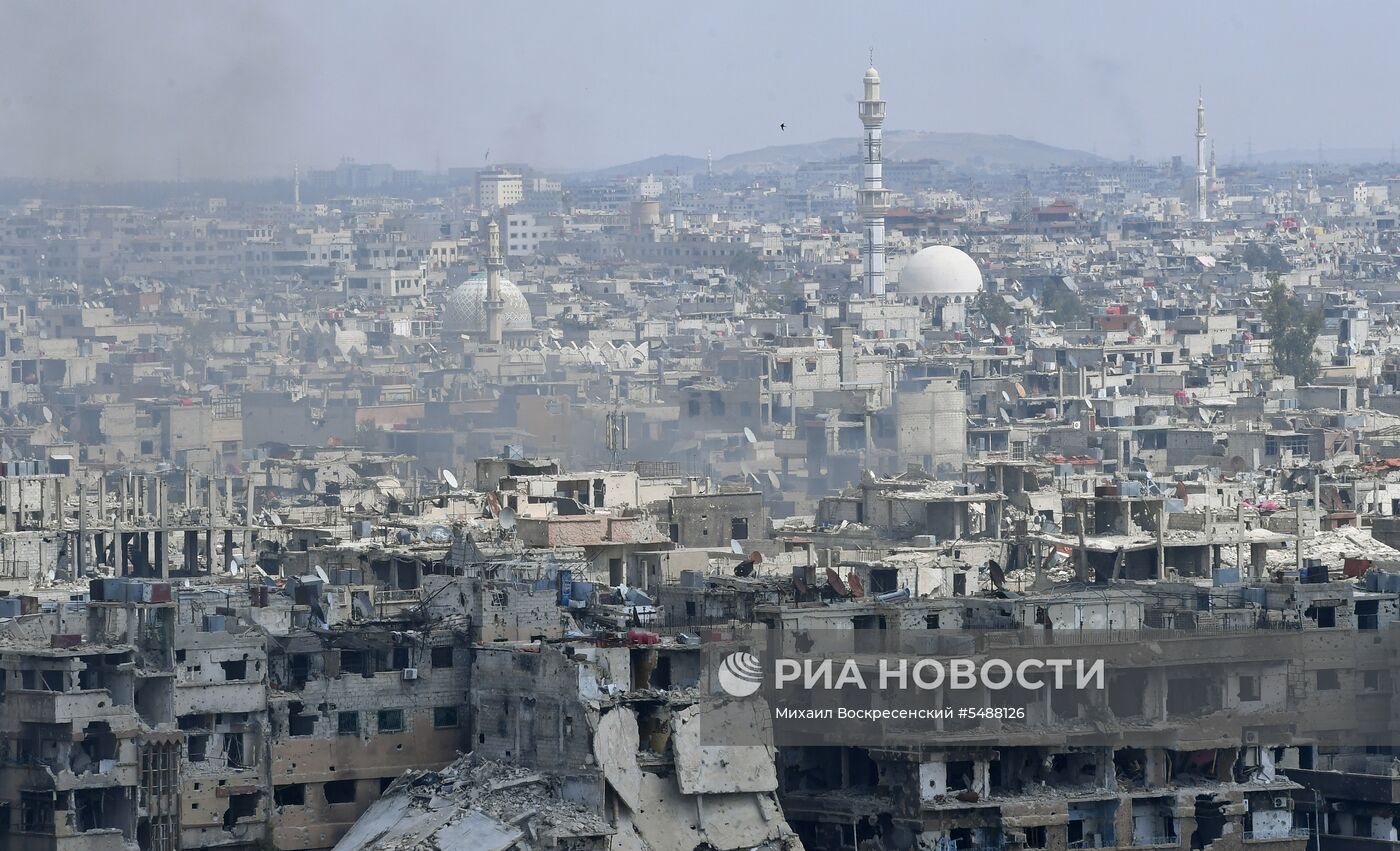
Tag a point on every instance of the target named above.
point(472, 803)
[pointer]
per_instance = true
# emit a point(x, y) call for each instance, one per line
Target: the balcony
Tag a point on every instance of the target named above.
point(1278, 835)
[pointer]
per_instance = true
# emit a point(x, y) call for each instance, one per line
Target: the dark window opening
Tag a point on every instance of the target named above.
point(1249, 688)
point(298, 724)
point(444, 716)
point(390, 720)
point(1329, 679)
point(738, 528)
point(291, 795)
point(442, 657)
point(339, 791)
point(348, 724)
point(195, 747)
point(235, 670)
point(240, 807)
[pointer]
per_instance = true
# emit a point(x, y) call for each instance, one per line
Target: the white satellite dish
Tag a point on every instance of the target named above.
point(307, 484)
point(737, 547)
point(449, 478)
point(749, 436)
point(321, 574)
point(773, 480)
point(275, 518)
point(48, 415)
point(1005, 397)
point(507, 518)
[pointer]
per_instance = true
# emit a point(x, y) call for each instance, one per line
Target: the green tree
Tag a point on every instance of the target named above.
point(1293, 328)
point(1267, 257)
point(1063, 303)
point(994, 309)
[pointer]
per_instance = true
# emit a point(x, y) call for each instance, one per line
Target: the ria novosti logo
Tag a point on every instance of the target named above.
point(740, 674)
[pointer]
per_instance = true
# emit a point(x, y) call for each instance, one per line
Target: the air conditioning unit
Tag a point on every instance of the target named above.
point(410, 673)
point(1282, 802)
point(1251, 737)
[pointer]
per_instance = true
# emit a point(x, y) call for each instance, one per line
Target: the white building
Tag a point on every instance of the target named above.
point(404, 283)
point(498, 189)
point(525, 231)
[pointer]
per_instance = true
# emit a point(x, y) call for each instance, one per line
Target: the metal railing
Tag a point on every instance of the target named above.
point(1141, 842)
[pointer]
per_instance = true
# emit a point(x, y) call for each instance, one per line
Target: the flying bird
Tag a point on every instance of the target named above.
point(782, 126)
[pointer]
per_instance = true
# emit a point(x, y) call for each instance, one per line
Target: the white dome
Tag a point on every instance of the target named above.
point(465, 311)
point(940, 270)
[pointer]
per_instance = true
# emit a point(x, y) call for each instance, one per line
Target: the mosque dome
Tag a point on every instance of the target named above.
point(940, 270)
point(465, 311)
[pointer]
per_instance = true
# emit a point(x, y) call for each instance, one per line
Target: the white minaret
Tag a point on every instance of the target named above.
point(493, 303)
point(296, 187)
point(1202, 191)
point(874, 200)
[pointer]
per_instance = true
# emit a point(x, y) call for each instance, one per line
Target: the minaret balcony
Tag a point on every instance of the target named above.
point(873, 201)
point(872, 110)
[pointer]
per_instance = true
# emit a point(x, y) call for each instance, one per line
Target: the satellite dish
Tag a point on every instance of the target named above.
point(48, 415)
point(749, 436)
point(737, 547)
point(275, 518)
point(321, 574)
point(1005, 397)
point(307, 484)
point(1005, 417)
point(507, 518)
point(773, 480)
point(449, 478)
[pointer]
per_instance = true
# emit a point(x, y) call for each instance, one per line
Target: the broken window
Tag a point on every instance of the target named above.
point(297, 723)
point(442, 656)
point(1325, 616)
point(444, 716)
point(352, 662)
point(348, 724)
point(195, 747)
point(339, 791)
point(236, 669)
point(233, 750)
point(1035, 836)
point(390, 720)
point(1329, 679)
point(36, 812)
point(240, 807)
point(291, 795)
point(1249, 688)
point(401, 658)
point(53, 680)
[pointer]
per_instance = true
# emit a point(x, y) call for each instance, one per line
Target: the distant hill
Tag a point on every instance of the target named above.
point(960, 149)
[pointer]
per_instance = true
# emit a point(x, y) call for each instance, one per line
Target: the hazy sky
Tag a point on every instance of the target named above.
point(120, 89)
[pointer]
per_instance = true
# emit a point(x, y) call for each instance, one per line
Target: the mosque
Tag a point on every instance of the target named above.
point(488, 306)
point(940, 278)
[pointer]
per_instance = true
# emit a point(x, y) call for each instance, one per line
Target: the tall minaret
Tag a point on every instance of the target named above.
point(874, 200)
point(296, 187)
point(1202, 192)
point(493, 303)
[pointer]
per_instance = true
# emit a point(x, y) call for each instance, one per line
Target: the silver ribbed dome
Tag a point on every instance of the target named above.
point(465, 311)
